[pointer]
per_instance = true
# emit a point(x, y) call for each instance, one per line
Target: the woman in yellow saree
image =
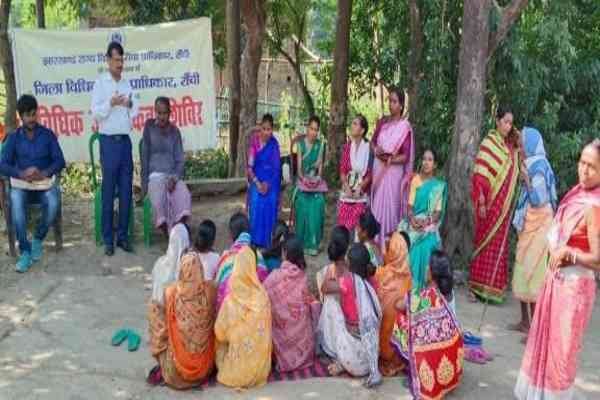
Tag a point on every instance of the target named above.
point(243, 327)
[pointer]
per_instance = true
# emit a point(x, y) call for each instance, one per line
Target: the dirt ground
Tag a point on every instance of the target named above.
point(56, 322)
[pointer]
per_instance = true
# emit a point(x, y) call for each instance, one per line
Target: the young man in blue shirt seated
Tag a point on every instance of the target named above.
point(31, 157)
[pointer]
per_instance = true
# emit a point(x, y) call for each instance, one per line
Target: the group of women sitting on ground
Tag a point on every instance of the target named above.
point(242, 318)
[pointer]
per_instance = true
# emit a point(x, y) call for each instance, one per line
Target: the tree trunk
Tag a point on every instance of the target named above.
point(6, 58)
point(255, 18)
point(415, 66)
point(339, 84)
point(233, 60)
point(40, 14)
point(473, 58)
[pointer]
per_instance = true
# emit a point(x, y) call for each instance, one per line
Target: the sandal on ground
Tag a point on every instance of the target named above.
point(474, 356)
point(471, 339)
point(486, 355)
point(133, 341)
point(155, 377)
point(119, 337)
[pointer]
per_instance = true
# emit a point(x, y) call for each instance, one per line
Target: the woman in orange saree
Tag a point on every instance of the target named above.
point(393, 282)
point(181, 332)
point(565, 304)
point(494, 185)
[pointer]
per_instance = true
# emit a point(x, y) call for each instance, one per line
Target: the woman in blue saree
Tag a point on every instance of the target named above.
point(426, 208)
point(264, 176)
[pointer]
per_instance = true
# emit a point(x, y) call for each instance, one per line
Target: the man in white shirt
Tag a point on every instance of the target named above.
point(113, 108)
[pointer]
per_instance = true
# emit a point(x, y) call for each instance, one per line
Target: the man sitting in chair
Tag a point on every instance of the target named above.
point(32, 158)
point(162, 169)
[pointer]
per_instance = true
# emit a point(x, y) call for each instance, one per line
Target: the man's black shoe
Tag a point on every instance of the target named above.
point(109, 251)
point(125, 246)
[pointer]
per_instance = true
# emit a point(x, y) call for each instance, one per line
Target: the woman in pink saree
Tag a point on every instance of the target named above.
point(294, 309)
point(565, 304)
point(393, 145)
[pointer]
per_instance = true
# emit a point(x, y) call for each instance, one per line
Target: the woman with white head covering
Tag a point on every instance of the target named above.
point(166, 268)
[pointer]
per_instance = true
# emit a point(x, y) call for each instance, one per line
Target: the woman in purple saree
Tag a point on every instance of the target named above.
point(264, 176)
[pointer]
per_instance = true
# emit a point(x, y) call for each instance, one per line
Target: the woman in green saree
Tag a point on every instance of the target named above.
point(426, 208)
point(309, 199)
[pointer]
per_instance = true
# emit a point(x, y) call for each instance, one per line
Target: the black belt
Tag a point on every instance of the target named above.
point(118, 138)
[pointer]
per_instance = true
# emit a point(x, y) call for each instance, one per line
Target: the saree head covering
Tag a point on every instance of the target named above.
point(243, 327)
point(537, 164)
point(166, 268)
point(292, 305)
point(182, 333)
point(227, 262)
point(393, 283)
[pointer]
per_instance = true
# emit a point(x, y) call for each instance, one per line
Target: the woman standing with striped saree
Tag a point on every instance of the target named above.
point(494, 185)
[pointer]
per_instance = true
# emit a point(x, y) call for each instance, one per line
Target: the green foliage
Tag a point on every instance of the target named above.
point(207, 164)
point(379, 52)
point(59, 14)
point(548, 71)
point(76, 180)
point(144, 12)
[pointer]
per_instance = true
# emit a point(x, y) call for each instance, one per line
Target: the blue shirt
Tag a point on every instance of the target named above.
point(42, 152)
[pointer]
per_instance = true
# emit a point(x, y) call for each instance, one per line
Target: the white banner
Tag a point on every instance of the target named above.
point(172, 59)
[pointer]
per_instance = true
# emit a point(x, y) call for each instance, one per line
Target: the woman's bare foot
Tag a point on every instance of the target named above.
point(335, 369)
point(522, 327)
point(471, 297)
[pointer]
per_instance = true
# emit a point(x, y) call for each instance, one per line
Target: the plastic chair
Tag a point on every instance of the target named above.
point(147, 207)
point(98, 198)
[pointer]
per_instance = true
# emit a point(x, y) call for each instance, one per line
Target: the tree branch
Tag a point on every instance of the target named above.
point(279, 47)
point(510, 14)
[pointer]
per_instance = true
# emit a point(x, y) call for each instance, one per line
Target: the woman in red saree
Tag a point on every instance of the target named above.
point(427, 336)
point(565, 304)
point(494, 185)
